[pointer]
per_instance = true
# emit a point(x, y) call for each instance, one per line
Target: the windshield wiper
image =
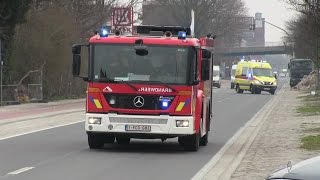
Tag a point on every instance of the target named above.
point(155, 82)
point(114, 81)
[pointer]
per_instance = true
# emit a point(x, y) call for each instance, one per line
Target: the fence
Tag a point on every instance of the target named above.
point(35, 92)
point(10, 94)
point(23, 93)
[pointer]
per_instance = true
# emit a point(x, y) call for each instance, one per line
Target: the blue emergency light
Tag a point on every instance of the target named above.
point(103, 33)
point(182, 35)
point(165, 104)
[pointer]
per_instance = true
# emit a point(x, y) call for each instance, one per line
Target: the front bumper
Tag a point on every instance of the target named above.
point(161, 125)
point(266, 87)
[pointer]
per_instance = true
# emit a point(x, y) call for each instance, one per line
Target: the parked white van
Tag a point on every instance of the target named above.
point(233, 73)
point(216, 77)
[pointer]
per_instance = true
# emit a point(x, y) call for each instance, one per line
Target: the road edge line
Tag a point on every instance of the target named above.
point(39, 130)
point(212, 162)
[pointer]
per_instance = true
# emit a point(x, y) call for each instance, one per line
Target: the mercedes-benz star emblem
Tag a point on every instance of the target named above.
point(138, 101)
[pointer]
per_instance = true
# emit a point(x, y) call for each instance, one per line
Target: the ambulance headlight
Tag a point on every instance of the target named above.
point(258, 82)
point(182, 123)
point(182, 35)
point(94, 120)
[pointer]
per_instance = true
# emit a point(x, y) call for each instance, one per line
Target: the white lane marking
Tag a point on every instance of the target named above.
point(30, 132)
point(213, 161)
point(20, 170)
point(223, 99)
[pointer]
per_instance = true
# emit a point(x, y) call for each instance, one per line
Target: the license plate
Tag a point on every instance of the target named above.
point(266, 88)
point(143, 128)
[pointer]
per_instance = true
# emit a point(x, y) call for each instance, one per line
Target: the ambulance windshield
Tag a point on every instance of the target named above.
point(262, 72)
point(166, 64)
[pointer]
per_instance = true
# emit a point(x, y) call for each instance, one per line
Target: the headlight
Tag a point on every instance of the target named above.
point(258, 82)
point(94, 120)
point(182, 123)
point(274, 83)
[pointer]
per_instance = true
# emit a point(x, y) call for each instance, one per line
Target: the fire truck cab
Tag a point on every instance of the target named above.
point(155, 85)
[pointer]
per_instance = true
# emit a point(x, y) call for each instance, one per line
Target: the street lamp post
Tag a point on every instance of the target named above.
point(293, 54)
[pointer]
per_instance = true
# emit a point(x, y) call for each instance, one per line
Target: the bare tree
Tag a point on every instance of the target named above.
point(216, 16)
point(305, 31)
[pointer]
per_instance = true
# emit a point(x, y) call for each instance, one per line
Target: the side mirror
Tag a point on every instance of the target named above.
point(206, 54)
point(205, 69)
point(275, 76)
point(141, 50)
point(76, 64)
point(76, 49)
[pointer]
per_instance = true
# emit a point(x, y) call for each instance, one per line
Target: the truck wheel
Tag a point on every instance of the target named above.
point(238, 90)
point(204, 140)
point(231, 86)
point(95, 141)
point(123, 140)
point(191, 143)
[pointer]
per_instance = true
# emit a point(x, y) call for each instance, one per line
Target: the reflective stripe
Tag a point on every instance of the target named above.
point(97, 103)
point(180, 106)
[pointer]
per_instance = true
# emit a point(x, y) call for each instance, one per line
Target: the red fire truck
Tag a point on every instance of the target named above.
point(155, 85)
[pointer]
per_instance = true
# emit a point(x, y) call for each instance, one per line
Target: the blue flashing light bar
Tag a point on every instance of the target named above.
point(182, 35)
point(103, 33)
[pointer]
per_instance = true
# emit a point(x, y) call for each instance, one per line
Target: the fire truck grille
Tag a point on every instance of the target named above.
point(137, 120)
point(144, 102)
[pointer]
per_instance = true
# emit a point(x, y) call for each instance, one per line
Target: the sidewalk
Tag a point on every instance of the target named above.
point(22, 119)
point(268, 142)
point(37, 109)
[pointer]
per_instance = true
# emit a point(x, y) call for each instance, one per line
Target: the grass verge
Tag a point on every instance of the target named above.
point(311, 142)
point(311, 105)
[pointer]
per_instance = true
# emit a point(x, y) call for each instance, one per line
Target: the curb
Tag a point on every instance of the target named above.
point(224, 163)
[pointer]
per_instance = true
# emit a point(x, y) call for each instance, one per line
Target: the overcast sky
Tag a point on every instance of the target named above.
point(274, 11)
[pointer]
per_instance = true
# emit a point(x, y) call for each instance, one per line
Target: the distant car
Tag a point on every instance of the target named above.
point(305, 170)
point(282, 75)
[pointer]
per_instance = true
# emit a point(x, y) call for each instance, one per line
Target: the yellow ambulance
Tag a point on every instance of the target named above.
point(255, 76)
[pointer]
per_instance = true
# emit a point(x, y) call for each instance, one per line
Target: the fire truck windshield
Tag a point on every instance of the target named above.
point(165, 64)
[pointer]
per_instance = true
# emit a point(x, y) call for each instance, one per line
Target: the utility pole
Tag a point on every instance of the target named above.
point(1, 66)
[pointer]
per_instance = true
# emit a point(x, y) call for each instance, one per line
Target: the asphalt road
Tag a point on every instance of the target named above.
point(63, 153)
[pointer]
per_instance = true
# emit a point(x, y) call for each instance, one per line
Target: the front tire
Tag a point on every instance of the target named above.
point(238, 90)
point(190, 143)
point(272, 92)
point(204, 140)
point(95, 141)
